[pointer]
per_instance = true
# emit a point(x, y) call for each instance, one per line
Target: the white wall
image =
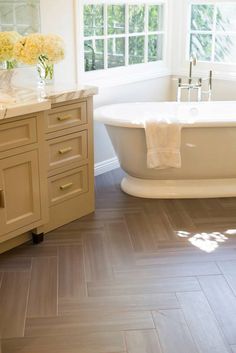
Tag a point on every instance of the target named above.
point(58, 16)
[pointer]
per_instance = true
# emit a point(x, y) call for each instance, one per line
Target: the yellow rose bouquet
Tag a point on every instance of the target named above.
point(8, 41)
point(43, 50)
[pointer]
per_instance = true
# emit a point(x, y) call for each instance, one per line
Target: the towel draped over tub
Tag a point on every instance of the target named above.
point(163, 140)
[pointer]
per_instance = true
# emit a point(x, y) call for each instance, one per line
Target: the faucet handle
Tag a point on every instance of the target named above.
point(193, 59)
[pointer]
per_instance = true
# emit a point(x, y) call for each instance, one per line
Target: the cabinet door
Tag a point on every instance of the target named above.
point(19, 191)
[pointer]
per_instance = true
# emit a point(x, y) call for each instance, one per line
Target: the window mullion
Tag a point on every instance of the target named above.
point(126, 34)
point(146, 34)
point(105, 37)
point(214, 34)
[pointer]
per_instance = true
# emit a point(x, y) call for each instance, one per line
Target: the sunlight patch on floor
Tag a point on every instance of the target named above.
point(207, 242)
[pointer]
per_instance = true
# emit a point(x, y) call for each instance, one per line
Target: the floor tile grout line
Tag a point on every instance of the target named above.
point(157, 333)
point(84, 268)
point(28, 294)
point(57, 299)
point(214, 315)
point(188, 326)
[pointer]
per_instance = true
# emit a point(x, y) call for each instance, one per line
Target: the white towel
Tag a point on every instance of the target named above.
point(163, 139)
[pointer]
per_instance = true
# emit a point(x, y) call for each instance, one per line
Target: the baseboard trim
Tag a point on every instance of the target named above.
point(106, 166)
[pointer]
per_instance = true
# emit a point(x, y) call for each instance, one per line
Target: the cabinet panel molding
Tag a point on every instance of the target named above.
point(66, 116)
point(67, 185)
point(17, 134)
point(19, 182)
point(67, 149)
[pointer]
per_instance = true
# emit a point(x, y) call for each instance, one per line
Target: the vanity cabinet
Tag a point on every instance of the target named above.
point(46, 170)
point(70, 164)
point(22, 176)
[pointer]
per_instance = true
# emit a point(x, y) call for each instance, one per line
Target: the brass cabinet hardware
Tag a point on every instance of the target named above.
point(65, 150)
point(2, 199)
point(63, 118)
point(66, 186)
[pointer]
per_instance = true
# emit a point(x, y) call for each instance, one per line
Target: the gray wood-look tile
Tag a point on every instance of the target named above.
point(125, 279)
point(43, 287)
point(141, 233)
point(119, 244)
point(173, 332)
point(97, 264)
point(72, 283)
point(173, 270)
point(142, 342)
point(233, 349)
point(142, 285)
point(12, 263)
point(121, 302)
point(13, 303)
point(202, 323)
point(89, 321)
point(223, 302)
point(98, 342)
point(228, 269)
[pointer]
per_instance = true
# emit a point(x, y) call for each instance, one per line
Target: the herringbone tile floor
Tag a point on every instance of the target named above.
point(138, 276)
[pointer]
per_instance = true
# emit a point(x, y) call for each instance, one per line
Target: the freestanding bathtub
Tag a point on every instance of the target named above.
point(208, 148)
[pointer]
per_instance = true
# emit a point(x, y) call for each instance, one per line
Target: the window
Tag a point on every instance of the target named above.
point(21, 16)
point(212, 36)
point(119, 34)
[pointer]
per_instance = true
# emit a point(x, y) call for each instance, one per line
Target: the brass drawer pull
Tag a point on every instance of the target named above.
point(66, 186)
point(2, 199)
point(63, 118)
point(65, 150)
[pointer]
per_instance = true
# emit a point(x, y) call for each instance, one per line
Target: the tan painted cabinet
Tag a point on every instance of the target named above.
point(46, 170)
point(23, 194)
point(19, 191)
point(69, 139)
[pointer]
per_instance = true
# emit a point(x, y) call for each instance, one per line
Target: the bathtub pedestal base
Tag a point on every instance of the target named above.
point(179, 189)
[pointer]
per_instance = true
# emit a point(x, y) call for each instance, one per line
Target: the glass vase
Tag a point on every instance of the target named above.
point(45, 71)
point(6, 77)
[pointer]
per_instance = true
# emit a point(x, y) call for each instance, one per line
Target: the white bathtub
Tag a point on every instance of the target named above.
point(208, 148)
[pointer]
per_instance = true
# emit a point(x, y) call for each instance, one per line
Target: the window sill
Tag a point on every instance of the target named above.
point(119, 80)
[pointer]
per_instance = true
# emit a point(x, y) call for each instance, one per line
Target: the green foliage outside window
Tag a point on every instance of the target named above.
point(209, 39)
point(119, 44)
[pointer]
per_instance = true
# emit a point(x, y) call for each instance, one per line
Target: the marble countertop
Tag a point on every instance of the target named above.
point(62, 93)
point(21, 101)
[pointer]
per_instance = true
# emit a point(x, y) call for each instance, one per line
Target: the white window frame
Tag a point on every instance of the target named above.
point(181, 38)
point(123, 74)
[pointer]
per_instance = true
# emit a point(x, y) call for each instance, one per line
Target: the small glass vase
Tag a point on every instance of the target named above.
point(6, 77)
point(7, 73)
point(45, 71)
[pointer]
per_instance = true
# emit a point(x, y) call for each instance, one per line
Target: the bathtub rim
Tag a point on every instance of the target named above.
point(179, 188)
point(116, 122)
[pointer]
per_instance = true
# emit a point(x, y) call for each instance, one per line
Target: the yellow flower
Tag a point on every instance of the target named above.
point(53, 48)
point(49, 47)
point(29, 48)
point(7, 44)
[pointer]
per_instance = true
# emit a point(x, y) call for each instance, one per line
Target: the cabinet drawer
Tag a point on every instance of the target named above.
point(17, 134)
point(68, 185)
point(68, 149)
point(65, 117)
